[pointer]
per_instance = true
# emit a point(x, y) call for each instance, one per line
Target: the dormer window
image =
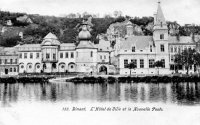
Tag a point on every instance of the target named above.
point(133, 49)
point(161, 36)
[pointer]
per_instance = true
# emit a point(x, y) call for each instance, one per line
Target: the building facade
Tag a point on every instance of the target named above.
point(8, 61)
point(144, 51)
point(49, 56)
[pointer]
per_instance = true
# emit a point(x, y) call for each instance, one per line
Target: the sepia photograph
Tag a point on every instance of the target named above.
point(99, 62)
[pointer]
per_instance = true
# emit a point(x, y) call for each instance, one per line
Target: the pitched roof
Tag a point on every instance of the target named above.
point(182, 39)
point(140, 42)
point(30, 45)
point(50, 36)
point(103, 45)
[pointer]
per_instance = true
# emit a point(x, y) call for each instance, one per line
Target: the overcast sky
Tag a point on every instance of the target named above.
point(182, 11)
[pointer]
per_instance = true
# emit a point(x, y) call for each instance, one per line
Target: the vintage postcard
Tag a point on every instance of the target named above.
point(99, 62)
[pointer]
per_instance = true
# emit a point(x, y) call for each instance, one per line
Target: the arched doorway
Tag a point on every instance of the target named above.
point(103, 69)
point(37, 67)
point(29, 68)
point(62, 67)
point(22, 68)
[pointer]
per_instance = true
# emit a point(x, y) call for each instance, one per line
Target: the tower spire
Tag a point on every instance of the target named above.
point(159, 19)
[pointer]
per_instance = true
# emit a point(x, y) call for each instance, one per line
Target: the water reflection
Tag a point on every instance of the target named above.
point(180, 93)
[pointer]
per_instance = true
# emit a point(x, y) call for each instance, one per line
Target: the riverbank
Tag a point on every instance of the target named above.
point(134, 79)
point(99, 79)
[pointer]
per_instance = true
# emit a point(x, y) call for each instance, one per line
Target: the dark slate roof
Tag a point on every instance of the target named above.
point(140, 42)
point(182, 39)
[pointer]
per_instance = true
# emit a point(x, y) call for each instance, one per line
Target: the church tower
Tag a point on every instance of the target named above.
point(160, 38)
point(86, 52)
point(160, 30)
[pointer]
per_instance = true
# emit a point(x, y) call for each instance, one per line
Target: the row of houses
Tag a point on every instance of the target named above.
point(54, 56)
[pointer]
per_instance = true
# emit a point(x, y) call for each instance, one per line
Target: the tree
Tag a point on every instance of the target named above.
point(131, 65)
point(158, 64)
point(185, 58)
point(196, 60)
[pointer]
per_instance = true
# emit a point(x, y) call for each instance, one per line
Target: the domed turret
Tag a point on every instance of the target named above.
point(84, 34)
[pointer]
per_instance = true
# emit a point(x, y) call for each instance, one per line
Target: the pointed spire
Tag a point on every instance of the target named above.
point(159, 15)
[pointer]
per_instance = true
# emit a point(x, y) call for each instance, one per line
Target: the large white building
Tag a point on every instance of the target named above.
point(144, 51)
point(49, 56)
point(53, 56)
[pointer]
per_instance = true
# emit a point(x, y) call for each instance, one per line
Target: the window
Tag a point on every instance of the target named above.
point(20, 55)
point(151, 63)
point(25, 55)
point(15, 61)
point(11, 61)
point(126, 63)
point(62, 66)
point(100, 56)
point(10, 69)
point(141, 63)
point(104, 56)
point(76, 54)
point(72, 55)
point(162, 48)
point(91, 53)
point(66, 54)
point(163, 63)
point(150, 48)
point(47, 55)
point(171, 49)
point(179, 49)
point(31, 55)
point(30, 66)
point(134, 61)
point(161, 24)
point(172, 58)
point(22, 66)
point(5, 61)
point(37, 55)
point(38, 66)
point(190, 67)
point(161, 36)
point(61, 55)
point(54, 56)
point(72, 66)
point(133, 49)
point(175, 49)
point(0, 61)
point(14, 70)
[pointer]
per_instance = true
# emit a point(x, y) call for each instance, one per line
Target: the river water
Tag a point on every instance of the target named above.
point(43, 102)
